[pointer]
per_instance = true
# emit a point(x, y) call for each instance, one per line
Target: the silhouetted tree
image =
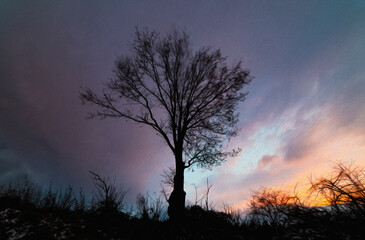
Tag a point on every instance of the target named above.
point(273, 207)
point(188, 97)
point(344, 190)
point(107, 197)
point(167, 182)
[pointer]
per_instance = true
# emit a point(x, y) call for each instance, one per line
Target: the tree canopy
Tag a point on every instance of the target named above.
point(189, 97)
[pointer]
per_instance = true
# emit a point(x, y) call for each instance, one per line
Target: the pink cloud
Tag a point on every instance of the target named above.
point(266, 162)
point(312, 141)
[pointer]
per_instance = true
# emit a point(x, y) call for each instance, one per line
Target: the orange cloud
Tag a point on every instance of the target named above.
point(308, 146)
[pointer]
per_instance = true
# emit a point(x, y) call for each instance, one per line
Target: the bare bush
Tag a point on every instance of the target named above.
point(167, 182)
point(235, 215)
point(150, 207)
point(58, 200)
point(203, 200)
point(107, 197)
point(344, 190)
point(341, 213)
point(80, 202)
point(20, 195)
point(271, 206)
point(66, 199)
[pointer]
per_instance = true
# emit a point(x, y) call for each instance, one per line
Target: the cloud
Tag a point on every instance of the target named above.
point(305, 107)
point(306, 137)
point(48, 52)
point(266, 162)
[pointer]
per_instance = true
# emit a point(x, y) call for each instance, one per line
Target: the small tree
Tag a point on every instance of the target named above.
point(344, 190)
point(188, 97)
point(272, 207)
point(107, 198)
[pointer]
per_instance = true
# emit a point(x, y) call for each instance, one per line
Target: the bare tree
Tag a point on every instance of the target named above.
point(107, 198)
point(188, 97)
point(343, 190)
point(150, 207)
point(167, 182)
point(272, 206)
point(205, 197)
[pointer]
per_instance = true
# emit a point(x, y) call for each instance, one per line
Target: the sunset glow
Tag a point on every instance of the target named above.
point(305, 109)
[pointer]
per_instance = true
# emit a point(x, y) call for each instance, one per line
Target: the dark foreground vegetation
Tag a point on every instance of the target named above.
point(29, 212)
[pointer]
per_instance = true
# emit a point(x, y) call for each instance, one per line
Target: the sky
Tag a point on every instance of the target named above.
point(305, 109)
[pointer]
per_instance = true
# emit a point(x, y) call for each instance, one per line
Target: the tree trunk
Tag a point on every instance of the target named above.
point(176, 201)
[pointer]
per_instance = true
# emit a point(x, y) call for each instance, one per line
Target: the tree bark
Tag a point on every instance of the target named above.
point(176, 201)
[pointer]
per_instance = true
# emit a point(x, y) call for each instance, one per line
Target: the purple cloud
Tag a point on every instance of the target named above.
point(307, 58)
